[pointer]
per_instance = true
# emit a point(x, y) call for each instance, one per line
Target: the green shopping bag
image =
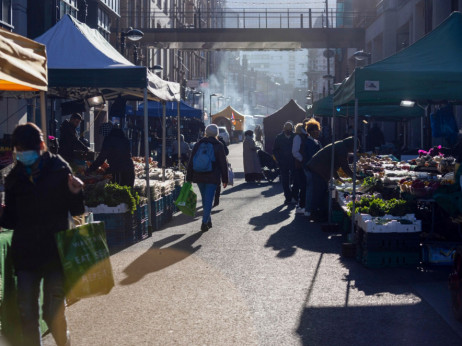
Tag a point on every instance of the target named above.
point(187, 200)
point(85, 258)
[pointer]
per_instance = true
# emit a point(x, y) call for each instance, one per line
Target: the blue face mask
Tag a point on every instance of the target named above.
point(28, 157)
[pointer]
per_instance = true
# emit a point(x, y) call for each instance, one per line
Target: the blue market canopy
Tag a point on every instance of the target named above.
point(325, 106)
point(427, 71)
point(80, 57)
point(155, 110)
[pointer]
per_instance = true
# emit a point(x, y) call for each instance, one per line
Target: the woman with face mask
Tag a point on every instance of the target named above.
point(40, 192)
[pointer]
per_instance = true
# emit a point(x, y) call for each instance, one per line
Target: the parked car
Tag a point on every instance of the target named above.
point(223, 133)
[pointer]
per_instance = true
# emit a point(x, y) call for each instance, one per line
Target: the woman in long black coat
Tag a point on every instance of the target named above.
point(40, 193)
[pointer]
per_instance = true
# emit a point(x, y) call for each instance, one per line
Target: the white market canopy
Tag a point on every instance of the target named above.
point(80, 57)
point(23, 63)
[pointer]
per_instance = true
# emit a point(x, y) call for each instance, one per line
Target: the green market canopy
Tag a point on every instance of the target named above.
point(428, 70)
point(325, 106)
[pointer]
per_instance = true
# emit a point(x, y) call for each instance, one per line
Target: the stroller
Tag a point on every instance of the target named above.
point(268, 165)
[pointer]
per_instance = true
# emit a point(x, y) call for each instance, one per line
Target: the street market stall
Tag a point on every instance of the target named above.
point(233, 120)
point(83, 64)
point(272, 124)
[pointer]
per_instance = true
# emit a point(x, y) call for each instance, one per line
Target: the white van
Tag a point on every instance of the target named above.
point(223, 133)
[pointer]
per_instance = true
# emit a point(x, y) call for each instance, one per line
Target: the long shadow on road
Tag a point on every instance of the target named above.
point(305, 235)
point(272, 217)
point(158, 258)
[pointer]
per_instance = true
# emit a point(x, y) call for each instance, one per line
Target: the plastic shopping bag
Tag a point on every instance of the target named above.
point(187, 200)
point(230, 175)
point(85, 258)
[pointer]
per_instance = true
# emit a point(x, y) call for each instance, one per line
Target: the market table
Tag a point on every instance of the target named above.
point(9, 314)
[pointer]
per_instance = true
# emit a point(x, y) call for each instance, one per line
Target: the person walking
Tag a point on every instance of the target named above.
point(312, 146)
point(320, 168)
point(216, 200)
point(40, 193)
point(116, 150)
point(207, 167)
point(252, 168)
point(298, 152)
point(282, 151)
point(68, 140)
point(185, 150)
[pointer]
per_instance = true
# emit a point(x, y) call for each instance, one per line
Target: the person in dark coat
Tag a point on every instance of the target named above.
point(68, 140)
point(208, 181)
point(282, 150)
point(312, 146)
point(298, 152)
point(375, 138)
point(252, 167)
point(216, 200)
point(40, 192)
point(116, 150)
point(320, 168)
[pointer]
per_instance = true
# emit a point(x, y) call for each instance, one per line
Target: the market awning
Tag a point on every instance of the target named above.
point(23, 63)
point(428, 70)
point(325, 106)
point(80, 57)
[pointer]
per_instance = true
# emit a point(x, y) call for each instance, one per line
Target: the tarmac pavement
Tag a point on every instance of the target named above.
point(261, 276)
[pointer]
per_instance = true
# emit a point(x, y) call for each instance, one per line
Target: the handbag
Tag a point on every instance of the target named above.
point(187, 199)
point(85, 259)
point(230, 175)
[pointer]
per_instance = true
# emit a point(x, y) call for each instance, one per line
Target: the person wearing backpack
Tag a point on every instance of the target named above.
point(207, 167)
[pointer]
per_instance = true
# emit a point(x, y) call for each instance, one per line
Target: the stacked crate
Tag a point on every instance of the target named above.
point(142, 222)
point(121, 229)
point(382, 246)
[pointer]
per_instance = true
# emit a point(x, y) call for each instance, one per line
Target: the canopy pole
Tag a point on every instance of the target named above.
point(43, 118)
point(164, 139)
point(146, 158)
point(355, 148)
point(34, 109)
point(332, 159)
point(179, 133)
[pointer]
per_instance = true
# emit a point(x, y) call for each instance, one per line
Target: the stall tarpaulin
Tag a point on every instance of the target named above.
point(272, 124)
point(429, 69)
point(80, 57)
point(325, 106)
point(23, 63)
point(23, 68)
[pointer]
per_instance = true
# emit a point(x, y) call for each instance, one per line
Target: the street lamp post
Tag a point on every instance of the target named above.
point(210, 116)
point(132, 35)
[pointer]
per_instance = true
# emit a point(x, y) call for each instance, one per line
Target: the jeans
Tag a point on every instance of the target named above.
point(309, 191)
point(299, 188)
point(208, 194)
point(53, 305)
point(286, 177)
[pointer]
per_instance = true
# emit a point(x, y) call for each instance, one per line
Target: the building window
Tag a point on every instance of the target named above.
point(68, 7)
point(6, 11)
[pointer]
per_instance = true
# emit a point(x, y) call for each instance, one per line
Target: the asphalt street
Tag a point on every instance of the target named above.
point(260, 276)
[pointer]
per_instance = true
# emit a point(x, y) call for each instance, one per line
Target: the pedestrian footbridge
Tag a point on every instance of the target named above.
point(256, 30)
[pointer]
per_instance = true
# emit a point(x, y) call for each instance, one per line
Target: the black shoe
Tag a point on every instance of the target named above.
point(204, 227)
point(209, 224)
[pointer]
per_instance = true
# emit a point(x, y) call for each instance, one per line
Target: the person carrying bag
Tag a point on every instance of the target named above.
point(85, 259)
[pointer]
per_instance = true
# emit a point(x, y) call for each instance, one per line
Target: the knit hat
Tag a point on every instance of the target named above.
point(211, 130)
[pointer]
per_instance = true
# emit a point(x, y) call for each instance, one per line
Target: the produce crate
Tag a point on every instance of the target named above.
point(439, 253)
point(168, 207)
point(157, 221)
point(142, 212)
point(157, 206)
point(120, 228)
point(390, 241)
point(142, 230)
point(337, 216)
point(382, 259)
